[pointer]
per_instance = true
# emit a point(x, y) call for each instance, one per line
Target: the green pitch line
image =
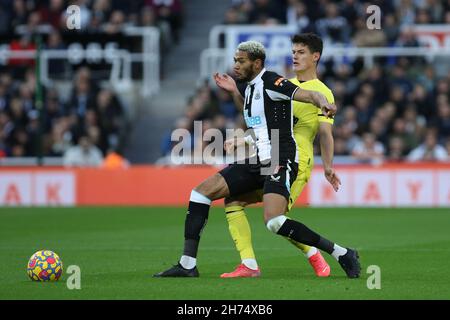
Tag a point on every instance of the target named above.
point(118, 250)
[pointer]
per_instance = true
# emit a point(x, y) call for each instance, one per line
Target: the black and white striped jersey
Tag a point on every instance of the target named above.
point(268, 106)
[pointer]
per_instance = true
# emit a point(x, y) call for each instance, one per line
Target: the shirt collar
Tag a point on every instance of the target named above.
point(258, 77)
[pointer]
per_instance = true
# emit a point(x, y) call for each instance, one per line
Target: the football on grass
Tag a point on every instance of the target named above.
point(45, 265)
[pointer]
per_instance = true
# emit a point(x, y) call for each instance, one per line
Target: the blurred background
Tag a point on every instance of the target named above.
point(112, 92)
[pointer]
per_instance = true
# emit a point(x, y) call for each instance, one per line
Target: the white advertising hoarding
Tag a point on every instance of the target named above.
point(383, 188)
point(37, 189)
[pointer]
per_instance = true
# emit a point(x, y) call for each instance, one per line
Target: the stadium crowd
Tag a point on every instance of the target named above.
point(396, 110)
point(92, 111)
point(106, 16)
point(92, 114)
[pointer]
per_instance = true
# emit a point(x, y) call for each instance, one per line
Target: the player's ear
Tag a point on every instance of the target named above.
point(258, 63)
point(316, 57)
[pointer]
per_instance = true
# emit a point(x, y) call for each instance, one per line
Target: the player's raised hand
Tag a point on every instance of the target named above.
point(328, 109)
point(225, 82)
point(333, 178)
point(230, 144)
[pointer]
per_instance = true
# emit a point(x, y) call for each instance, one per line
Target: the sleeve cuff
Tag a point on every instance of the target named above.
point(293, 93)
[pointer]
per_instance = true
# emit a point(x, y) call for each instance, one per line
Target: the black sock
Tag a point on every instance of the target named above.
point(196, 219)
point(299, 232)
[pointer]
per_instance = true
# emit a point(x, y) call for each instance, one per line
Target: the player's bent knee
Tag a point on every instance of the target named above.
point(230, 202)
point(275, 223)
point(213, 188)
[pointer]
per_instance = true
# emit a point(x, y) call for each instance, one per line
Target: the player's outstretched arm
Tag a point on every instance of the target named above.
point(227, 83)
point(327, 151)
point(317, 99)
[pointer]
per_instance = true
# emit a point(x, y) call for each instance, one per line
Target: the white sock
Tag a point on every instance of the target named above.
point(312, 251)
point(250, 263)
point(188, 262)
point(199, 198)
point(338, 251)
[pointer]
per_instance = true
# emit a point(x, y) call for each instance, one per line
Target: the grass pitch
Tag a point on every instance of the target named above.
point(119, 249)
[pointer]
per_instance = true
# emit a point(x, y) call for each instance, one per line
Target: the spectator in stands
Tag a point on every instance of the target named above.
point(447, 147)
point(423, 16)
point(110, 116)
point(53, 13)
point(183, 126)
point(84, 154)
point(350, 10)
point(60, 138)
point(95, 134)
point(430, 150)
point(333, 26)
point(364, 37)
point(22, 45)
point(53, 110)
point(340, 147)
point(115, 24)
point(349, 136)
point(364, 109)
point(17, 112)
point(20, 142)
point(101, 11)
point(410, 141)
point(226, 104)
point(297, 15)
point(4, 21)
point(148, 18)
point(435, 9)
point(27, 96)
point(115, 160)
point(349, 119)
point(232, 17)
point(33, 23)
point(56, 67)
point(407, 39)
point(415, 124)
point(378, 128)
point(170, 11)
point(396, 150)
point(427, 78)
point(4, 99)
point(422, 101)
point(19, 14)
point(447, 17)
point(83, 97)
point(442, 121)
point(391, 28)
point(33, 134)
point(263, 10)
point(406, 12)
point(369, 150)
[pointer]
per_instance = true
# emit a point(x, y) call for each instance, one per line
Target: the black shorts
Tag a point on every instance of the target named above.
point(245, 178)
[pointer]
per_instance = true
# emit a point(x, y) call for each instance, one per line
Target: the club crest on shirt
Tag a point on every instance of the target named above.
point(257, 95)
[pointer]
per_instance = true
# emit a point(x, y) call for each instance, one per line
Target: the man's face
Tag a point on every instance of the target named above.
point(430, 141)
point(84, 143)
point(302, 57)
point(244, 68)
